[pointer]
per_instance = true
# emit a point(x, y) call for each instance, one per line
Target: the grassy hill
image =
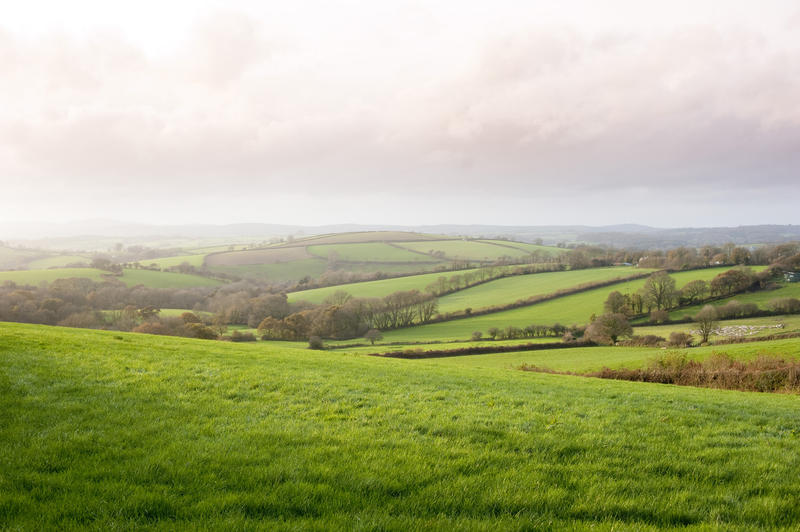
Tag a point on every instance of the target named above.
point(380, 288)
point(760, 298)
point(511, 289)
point(151, 279)
point(105, 430)
point(567, 310)
point(390, 252)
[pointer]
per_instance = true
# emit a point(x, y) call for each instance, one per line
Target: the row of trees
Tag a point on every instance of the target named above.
point(346, 317)
point(660, 292)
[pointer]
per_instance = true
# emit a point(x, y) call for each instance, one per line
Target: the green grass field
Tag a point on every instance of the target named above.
point(35, 277)
point(791, 324)
point(511, 289)
point(105, 430)
point(153, 279)
point(567, 310)
point(283, 271)
point(169, 262)
point(380, 288)
point(760, 298)
point(367, 252)
point(466, 249)
point(587, 359)
point(59, 261)
point(528, 248)
point(12, 258)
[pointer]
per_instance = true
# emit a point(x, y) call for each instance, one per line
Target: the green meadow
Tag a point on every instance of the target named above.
point(106, 431)
point(466, 249)
point(169, 262)
point(379, 288)
point(367, 252)
point(567, 310)
point(151, 279)
point(59, 261)
point(511, 289)
point(35, 277)
point(760, 298)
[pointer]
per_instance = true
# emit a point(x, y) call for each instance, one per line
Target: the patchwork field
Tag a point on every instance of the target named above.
point(169, 262)
point(367, 252)
point(257, 256)
point(34, 277)
point(567, 310)
point(366, 236)
point(152, 279)
point(466, 249)
point(763, 326)
point(59, 261)
point(511, 289)
point(760, 298)
point(380, 288)
point(107, 430)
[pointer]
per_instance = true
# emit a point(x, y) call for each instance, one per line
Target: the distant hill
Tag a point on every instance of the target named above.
point(103, 234)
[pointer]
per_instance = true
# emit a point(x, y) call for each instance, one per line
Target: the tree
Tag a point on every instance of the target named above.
point(616, 303)
point(609, 327)
point(315, 342)
point(706, 321)
point(659, 291)
point(694, 290)
point(373, 335)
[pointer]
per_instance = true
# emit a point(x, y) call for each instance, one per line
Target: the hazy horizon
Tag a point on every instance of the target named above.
point(401, 113)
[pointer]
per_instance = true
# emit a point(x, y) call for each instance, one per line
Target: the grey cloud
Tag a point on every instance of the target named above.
point(536, 109)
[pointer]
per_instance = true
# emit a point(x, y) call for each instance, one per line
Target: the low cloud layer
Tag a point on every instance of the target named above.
point(249, 106)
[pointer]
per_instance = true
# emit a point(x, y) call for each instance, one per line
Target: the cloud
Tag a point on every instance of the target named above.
point(535, 109)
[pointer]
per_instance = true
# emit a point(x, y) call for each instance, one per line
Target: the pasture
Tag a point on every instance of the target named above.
point(367, 252)
point(566, 310)
point(58, 261)
point(151, 279)
point(169, 262)
point(35, 277)
point(466, 250)
point(760, 298)
point(365, 236)
point(109, 430)
point(511, 289)
point(380, 288)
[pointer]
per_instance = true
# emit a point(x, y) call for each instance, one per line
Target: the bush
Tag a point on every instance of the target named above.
point(476, 336)
point(238, 336)
point(785, 305)
point(659, 316)
point(648, 340)
point(315, 342)
point(680, 339)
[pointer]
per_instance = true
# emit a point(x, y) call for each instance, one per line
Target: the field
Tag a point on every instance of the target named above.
point(367, 252)
point(760, 298)
point(151, 279)
point(281, 271)
point(528, 248)
point(11, 258)
point(59, 261)
point(511, 289)
point(380, 288)
point(257, 256)
point(169, 262)
point(466, 249)
point(790, 324)
point(365, 236)
point(567, 310)
point(35, 277)
point(108, 430)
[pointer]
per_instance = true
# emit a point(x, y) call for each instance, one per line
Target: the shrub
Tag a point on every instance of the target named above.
point(238, 336)
point(785, 305)
point(476, 336)
point(315, 342)
point(680, 339)
point(659, 316)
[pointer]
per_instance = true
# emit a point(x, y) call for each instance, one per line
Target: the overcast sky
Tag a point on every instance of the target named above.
point(662, 113)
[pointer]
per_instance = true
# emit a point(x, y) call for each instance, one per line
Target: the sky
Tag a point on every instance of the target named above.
point(680, 113)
